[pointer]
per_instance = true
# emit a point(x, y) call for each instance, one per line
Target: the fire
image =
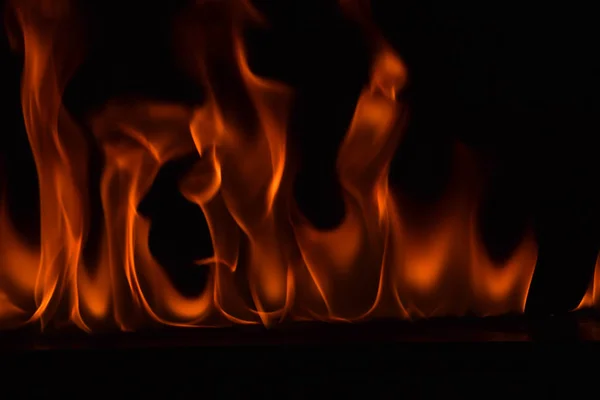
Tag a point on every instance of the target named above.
point(377, 263)
point(592, 295)
point(18, 270)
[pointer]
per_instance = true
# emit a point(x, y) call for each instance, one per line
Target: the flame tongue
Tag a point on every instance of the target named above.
point(350, 259)
point(49, 32)
point(243, 127)
point(137, 140)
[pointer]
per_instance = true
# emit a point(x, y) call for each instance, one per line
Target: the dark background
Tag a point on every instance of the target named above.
point(516, 83)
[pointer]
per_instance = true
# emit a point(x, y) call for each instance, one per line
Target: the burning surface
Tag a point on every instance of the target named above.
point(376, 263)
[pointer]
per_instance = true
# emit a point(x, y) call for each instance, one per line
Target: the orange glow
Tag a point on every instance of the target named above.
point(376, 263)
point(18, 271)
point(592, 295)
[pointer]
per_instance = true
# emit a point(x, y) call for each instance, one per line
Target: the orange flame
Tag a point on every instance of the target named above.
point(51, 56)
point(375, 263)
point(18, 272)
point(592, 295)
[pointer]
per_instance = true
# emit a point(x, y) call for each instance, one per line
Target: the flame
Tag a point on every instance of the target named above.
point(18, 272)
point(137, 140)
point(269, 261)
point(51, 56)
point(352, 255)
point(592, 295)
point(246, 140)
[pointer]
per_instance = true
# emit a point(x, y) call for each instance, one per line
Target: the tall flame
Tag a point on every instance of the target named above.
point(52, 53)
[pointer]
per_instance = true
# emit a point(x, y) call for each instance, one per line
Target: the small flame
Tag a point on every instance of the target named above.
point(592, 295)
point(18, 272)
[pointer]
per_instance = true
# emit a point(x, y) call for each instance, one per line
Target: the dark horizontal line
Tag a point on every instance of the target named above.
point(437, 357)
point(581, 325)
